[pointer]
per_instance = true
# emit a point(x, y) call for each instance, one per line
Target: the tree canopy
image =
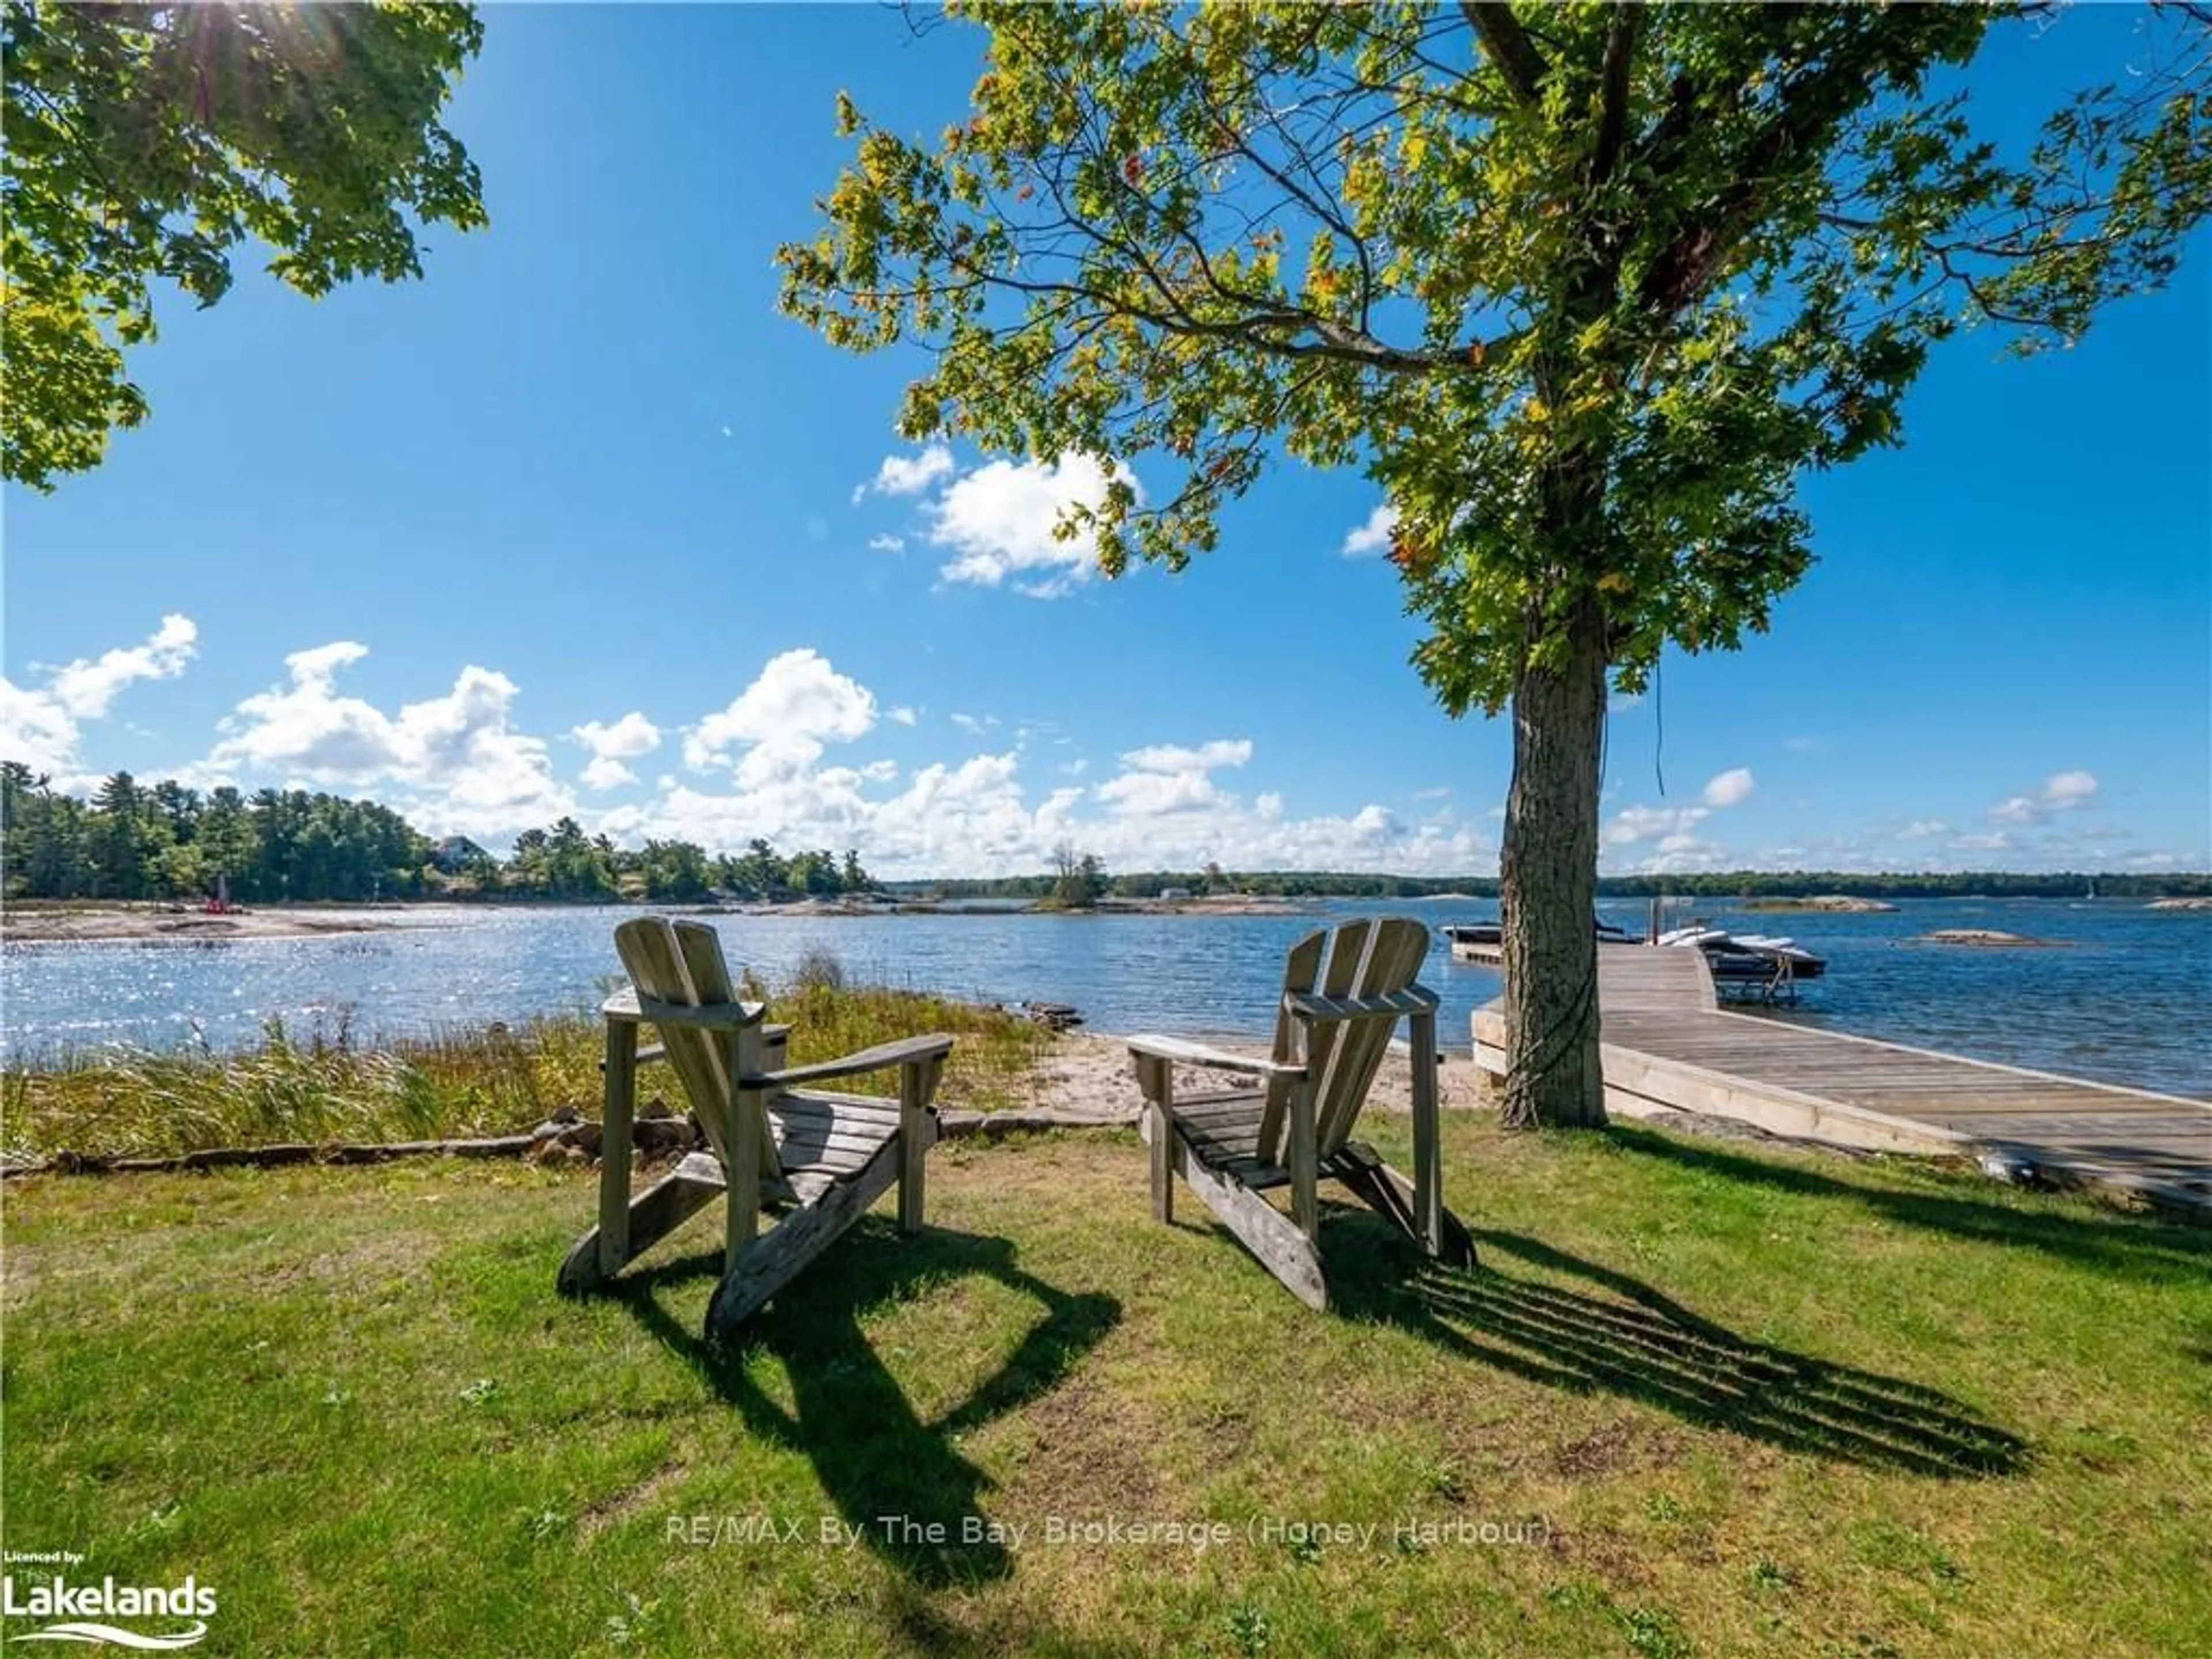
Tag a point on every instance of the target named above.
point(146, 142)
point(1705, 246)
point(171, 841)
point(1587, 289)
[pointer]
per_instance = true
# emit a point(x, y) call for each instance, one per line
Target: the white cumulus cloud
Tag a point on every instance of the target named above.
point(1167, 778)
point(1165, 809)
point(998, 522)
point(84, 689)
point(1365, 540)
point(457, 761)
point(908, 475)
point(605, 772)
point(2062, 791)
point(611, 746)
point(1207, 758)
point(1633, 824)
point(40, 724)
point(36, 730)
point(1729, 787)
point(798, 702)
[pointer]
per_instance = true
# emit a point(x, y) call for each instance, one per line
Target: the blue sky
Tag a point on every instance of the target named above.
point(579, 525)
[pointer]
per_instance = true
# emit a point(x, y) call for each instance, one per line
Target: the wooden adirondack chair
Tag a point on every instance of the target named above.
point(1344, 991)
point(826, 1156)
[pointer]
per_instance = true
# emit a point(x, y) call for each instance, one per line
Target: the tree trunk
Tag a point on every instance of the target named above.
point(1548, 885)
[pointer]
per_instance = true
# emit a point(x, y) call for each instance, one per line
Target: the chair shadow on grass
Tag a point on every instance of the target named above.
point(874, 1454)
point(1605, 1331)
point(2110, 1241)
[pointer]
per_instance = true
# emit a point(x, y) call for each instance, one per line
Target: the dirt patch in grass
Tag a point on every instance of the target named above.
point(375, 1255)
point(1618, 1448)
point(1088, 1455)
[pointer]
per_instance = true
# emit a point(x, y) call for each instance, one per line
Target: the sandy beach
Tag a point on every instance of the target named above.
point(1087, 1076)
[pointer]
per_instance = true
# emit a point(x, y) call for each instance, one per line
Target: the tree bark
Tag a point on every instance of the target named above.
point(1548, 885)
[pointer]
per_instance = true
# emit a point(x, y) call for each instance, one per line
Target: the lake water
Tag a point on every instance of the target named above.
point(2125, 998)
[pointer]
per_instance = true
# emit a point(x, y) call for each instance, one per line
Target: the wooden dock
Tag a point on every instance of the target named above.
point(1669, 1047)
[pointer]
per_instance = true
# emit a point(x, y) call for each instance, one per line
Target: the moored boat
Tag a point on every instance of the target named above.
point(1748, 957)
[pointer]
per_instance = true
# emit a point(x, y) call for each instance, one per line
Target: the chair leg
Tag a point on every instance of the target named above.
point(917, 1083)
point(1158, 1082)
point(1282, 1248)
point(777, 1259)
point(1389, 1194)
point(1305, 1203)
point(615, 1135)
point(657, 1211)
point(748, 1127)
point(1428, 1137)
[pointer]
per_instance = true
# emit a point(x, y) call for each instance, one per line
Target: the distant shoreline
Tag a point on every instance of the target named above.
point(1841, 904)
point(87, 921)
point(82, 921)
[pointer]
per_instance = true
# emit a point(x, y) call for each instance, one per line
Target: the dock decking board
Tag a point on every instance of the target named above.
point(1669, 1047)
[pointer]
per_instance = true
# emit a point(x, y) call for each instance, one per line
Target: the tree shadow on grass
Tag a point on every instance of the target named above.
point(875, 1456)
point(1612, 1333)
point(2113, 1242)
point(920, 1626)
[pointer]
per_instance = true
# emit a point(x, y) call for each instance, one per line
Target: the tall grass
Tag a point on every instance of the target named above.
point(995, 1055)
point(326, 1085)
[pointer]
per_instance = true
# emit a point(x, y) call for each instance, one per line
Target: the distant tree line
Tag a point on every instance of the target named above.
point(131, 841)
point(168, 842)
point(1733, 884)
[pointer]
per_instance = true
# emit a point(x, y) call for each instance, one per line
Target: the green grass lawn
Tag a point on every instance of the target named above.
point(1728, 1401)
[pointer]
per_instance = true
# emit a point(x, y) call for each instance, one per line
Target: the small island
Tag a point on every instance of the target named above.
point(2201, 903)
point(1987, 937)
point(1837, 903)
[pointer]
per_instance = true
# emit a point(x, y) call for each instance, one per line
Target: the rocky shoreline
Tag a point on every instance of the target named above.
point(155, 923)
point(1836, 904)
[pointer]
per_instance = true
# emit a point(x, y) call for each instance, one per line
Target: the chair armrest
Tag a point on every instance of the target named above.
point(904, 1052)
point(637, 1010)
point(1180, 1053)
point(1326, 1010)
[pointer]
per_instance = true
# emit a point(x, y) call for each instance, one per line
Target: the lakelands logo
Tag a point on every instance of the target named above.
point(81, 1610)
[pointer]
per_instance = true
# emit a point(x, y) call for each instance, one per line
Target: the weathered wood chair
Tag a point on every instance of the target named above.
point(827, 1157)
point(1344, 991)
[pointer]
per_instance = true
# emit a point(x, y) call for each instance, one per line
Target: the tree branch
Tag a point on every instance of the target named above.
point(1508, 45)
point(1615, 79)
point(1803, 110)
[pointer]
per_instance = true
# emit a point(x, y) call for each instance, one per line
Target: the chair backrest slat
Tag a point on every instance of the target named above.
point(1301, 972)
point(1347, 955)
point(1395, 954)
point(682, 962)
point(1362, 958)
